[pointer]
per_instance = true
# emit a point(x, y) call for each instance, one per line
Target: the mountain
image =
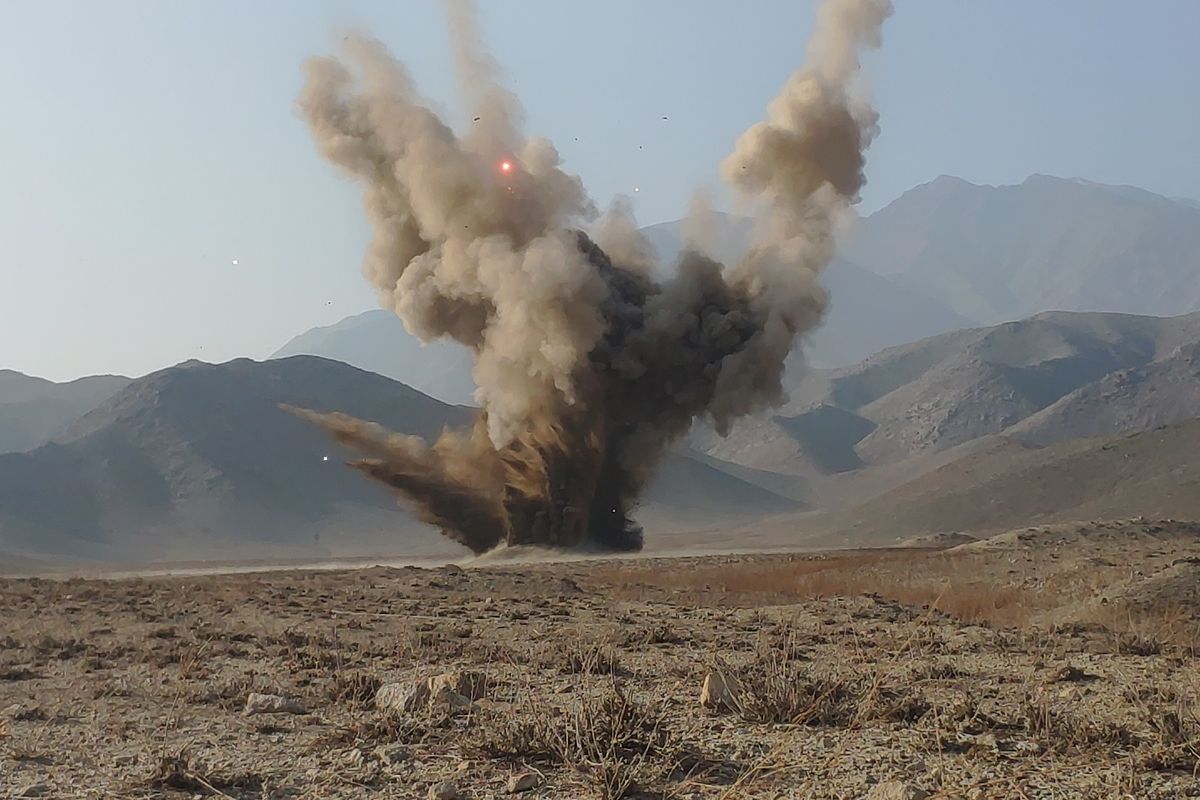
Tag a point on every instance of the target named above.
point(1056, 375)
point(34, 409)
point(996, 253)
point(378, 342)
point(197, 461)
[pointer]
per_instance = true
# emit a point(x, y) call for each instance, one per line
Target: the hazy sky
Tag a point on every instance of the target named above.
point(146, 145)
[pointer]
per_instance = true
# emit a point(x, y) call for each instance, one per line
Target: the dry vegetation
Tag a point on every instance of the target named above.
point(1048, 663)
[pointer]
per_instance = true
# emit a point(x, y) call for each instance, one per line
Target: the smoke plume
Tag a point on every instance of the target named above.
point(587, 367)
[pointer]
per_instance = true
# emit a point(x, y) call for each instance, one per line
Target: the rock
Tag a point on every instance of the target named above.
point(522, 782)
point(445, 791)
point(401, 698)
point(721, 692)
point(895, 790)
point(273, 704)
point(34, 790)
point(450, 692)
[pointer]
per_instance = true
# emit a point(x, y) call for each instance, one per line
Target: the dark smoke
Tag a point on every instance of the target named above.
point(587, 368)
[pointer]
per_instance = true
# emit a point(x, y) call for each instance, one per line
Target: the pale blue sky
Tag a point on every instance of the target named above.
point(147, 144)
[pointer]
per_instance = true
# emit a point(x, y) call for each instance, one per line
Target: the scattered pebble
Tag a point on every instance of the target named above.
point(273, 704)
point(522, 782)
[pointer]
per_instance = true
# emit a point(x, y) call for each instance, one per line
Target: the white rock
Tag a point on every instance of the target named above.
point(721, 691)
point(273, 704)
point(402, 698)
point(450, 692)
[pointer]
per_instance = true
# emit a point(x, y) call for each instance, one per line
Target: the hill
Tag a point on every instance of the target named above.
point(995, 253)
point(34, 409)
point(198, 462)
point(377, 341)
point(1012, 484)
point(1054, 376)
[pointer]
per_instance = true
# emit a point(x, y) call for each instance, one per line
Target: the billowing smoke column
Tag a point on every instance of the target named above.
point(587, 368)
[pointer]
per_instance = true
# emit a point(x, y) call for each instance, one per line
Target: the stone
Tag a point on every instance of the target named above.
point(402, 698)
point(720, 692)
point(895, 790)
point(445, 791)
point(273, 704)
point(34, 790)
point(522, 782)
point(449, 692)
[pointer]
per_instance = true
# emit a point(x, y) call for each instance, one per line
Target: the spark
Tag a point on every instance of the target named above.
point(506, 167)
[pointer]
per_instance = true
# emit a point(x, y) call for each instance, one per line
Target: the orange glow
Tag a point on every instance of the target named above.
point(506, 167)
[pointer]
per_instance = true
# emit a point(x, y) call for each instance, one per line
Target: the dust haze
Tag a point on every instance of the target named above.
point(587, 368)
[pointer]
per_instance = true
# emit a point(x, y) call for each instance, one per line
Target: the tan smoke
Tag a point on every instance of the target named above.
point(587, 368)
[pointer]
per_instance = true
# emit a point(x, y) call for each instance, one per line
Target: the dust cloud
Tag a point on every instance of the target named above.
point(587, 367)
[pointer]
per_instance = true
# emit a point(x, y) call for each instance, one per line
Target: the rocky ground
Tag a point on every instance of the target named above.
point(1046, 663)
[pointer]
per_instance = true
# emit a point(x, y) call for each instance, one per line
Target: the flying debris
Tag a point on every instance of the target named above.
point(587, 367)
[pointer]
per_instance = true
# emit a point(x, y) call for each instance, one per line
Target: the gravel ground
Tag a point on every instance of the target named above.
point(584, 679)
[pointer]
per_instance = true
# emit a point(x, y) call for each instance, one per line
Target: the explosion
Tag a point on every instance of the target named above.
point(587, 368)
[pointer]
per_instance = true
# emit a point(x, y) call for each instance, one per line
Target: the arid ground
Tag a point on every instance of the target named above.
point(1053, 662)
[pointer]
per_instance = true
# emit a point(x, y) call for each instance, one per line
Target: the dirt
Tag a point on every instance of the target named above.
point(1021, 669)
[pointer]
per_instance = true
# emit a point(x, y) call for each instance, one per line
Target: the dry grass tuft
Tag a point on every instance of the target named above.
point(356, 688)
point(618, 743)
point(1061, 731)
point(178, 771)
point(1173, 720)
point(778, 690)
point(578, 657)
